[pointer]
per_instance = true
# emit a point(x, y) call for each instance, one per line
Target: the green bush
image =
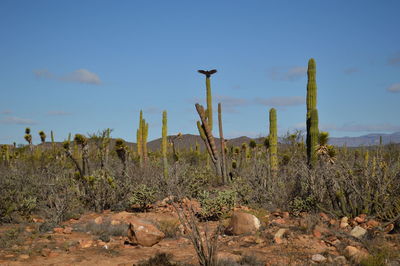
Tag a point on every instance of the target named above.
point(143, 196)
point(215, 204)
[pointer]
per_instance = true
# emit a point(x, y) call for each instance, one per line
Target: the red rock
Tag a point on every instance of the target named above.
point(359, 219)
point(279, 235)
point(344, 222)
point(324, 216)
point(38, 220)
point(144, 233)
point(389, 228)
point(372, 224)
point(45, 252)
point(317, 233)
point(67, 230)
point(285, 215)
point(243, 223)
point(85, 243)
point(24, 257)
point(278, 221)
point(355, 254)
point(58, 230)
point(115, 222)
point(98, 220)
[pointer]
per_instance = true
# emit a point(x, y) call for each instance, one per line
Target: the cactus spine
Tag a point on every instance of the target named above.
point(273, 141)
point(164, 143)
point(312, 123)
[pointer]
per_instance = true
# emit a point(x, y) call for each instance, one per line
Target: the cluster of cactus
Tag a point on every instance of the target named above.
point(312, 115)
point(141, 137)
point(205, 130)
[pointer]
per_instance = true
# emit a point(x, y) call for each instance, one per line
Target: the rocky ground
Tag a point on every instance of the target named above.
point(261, 238)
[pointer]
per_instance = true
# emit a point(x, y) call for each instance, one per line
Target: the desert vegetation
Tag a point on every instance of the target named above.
point(297, 173)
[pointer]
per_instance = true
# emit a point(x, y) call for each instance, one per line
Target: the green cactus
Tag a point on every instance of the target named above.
point(209, 114)
point(42, 136)
point(145, 133)
point(164, 144)
point(139, 136)
point(273, 141)
point(312, 140)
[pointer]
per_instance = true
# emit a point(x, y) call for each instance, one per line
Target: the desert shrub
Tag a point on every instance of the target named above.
point(244, 261)
point(104, 231)
point(160, 259)
point(215, 204)
point(169, 227)
point(143, 196)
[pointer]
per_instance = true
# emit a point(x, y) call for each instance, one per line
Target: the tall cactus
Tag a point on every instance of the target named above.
point(273, 141)
point(209, 113)
point(312, 140)
point(139, 136)
point(145, 133)
point(164, 143)
point(53, 144)
point(222, 146)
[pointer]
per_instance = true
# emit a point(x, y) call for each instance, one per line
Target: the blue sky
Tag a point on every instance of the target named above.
point(83, 66)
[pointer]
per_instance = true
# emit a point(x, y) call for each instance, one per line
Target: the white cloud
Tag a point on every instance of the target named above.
point(17, 121)
point(79, 76)
point(82, 76)
point(394, 87)
point(281, 101)
point(291, 74)
point(58, 113)
point(6, 112)
point(351, 70)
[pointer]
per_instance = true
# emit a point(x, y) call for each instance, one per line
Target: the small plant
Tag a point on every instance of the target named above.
point(169, 227)
point(143, 196)
point(216, 204)
point(160, 259)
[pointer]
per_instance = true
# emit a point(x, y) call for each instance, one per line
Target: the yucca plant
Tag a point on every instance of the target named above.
point(121, 150)
point(42, 136)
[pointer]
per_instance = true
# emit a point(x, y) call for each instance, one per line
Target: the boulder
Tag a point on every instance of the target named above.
point(358, 232)
point(355, 254)
point(144, 233)
point(243, 223)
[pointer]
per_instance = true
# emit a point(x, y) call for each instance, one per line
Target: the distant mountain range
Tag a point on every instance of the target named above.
point(366, 140)
point(187, 141)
